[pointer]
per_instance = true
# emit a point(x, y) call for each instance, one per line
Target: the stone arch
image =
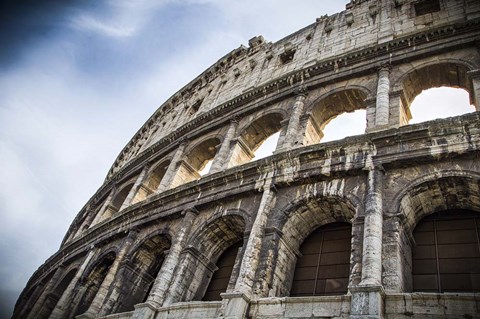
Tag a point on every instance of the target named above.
point(217, 233)
point(450, 189)
point(121, 194)
point(434, 192)
point(92, 280)
point(57, 292)
point(153, 180)
point(252, 135)
point(331, 104)
point(32, 299)
point(206, 244)
point(141, 269)
point(202, 151)
point(443, 72)
point(295, 222)
point(196, 157)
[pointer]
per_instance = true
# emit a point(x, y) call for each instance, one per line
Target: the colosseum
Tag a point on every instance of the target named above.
point(379, 225)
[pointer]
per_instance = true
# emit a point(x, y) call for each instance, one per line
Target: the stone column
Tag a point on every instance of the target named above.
point(94, 310)
point(367, 297)
point(131, 195)
point(292, 133)
point(60, 311)
point(237, 302)
point(172, 168)
point(221, 159)
point(35, 310)
point(475, 95)
point(193, 262)
point(104, 207)
point(372, 233)
point(383, 96)
point(166, 273)
point(91, 216)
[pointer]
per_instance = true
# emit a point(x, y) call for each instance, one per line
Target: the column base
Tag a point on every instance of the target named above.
point(367, 302)
point(144, 311)
point(235, 306)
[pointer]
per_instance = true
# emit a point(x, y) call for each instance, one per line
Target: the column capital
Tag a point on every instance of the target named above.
point(301, 91)
point(190, 211)
point(133, 233)
point(384, 67)
point(234, 119)
point(183, 141)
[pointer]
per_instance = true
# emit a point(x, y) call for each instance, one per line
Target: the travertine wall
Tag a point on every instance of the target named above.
point(147, 243)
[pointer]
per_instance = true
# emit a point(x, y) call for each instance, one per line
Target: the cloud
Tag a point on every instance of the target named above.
point(88, 23)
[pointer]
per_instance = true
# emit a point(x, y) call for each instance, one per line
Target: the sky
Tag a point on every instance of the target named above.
point(79, 78)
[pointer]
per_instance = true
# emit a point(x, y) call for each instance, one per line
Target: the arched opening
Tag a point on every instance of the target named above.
point(152, 182)
point(221, 277)
point(324, 266)
point(446, 254)
point(53, 297)
point(327, 110)
point(445, 101)
point(203, 258)
point(93, 281)
point(141, 272)
point(343, 125)
point(197, 163)
point(305, 217)
point(267, 148)
point(120, 197)
point(437, 88)
point(455, 191)
point(258, 140)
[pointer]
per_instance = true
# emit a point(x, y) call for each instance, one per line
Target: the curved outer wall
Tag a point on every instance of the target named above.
point(147, 244)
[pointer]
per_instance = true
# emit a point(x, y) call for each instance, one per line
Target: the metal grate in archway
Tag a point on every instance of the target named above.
point(446, 255)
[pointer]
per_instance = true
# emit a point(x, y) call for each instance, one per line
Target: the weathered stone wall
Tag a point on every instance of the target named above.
point(146, 245)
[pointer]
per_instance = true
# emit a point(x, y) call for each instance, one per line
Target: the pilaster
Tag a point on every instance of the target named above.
point(292, 133)
point(46, 291)
point(62, 306)
point(220, 161)
point(95, 308)
point(368, 296)
point(136, 186)
point(169, 266)
point(236, 303)
point(172, 168)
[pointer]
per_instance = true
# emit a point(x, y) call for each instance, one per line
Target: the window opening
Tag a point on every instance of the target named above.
point(426, 6)
point(206, 168)
point(345, 124)
point(267, 147)
point(440, 102)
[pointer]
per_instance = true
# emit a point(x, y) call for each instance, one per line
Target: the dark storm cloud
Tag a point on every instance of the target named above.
point(22, 23)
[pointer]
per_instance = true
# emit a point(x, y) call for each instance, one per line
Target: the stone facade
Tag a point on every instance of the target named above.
point(149, 242)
